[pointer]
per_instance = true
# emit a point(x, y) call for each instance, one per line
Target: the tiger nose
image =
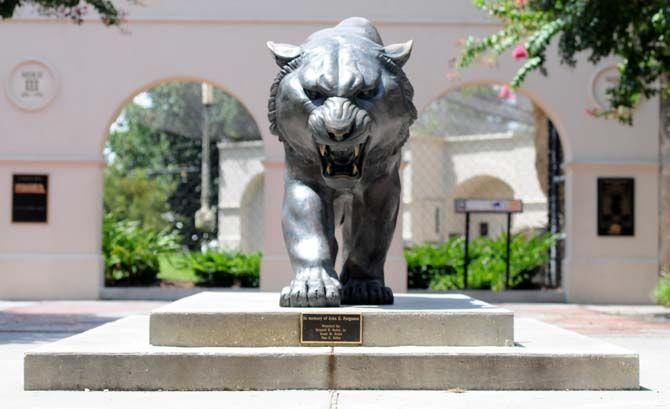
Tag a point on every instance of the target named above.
point(338, 133)
point(339, 117)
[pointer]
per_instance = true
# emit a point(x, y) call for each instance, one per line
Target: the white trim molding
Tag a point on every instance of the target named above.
point(632, 166)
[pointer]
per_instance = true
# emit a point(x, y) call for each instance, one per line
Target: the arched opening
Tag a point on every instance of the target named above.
point(166, 180)
point(486, 142)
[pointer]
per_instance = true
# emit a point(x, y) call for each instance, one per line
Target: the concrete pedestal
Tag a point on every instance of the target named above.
point(119, 356)
point(256, 320)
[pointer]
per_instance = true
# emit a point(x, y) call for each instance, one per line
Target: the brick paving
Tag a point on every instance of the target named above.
point(67, 316)
point(591, 320)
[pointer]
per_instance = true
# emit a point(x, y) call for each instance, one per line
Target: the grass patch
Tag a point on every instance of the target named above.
point(171, 268)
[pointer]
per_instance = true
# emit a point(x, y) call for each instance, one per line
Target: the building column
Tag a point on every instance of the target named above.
point(610, 269)
point(664, 188)
point(62, 257)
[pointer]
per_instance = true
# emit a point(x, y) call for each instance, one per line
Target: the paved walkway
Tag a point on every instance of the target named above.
point(606, 321)
point(23, 325)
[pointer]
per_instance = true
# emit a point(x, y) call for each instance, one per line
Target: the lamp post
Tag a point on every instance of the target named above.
point(205, 218)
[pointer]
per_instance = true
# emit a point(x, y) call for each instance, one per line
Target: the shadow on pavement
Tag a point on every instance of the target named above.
point(29, 328)
point(28, 338)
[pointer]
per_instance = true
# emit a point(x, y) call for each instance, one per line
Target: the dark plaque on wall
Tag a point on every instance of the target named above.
point(331, 329)
point(616, 206)
point(30, 198)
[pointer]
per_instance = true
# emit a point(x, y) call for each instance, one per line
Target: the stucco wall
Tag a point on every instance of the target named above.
point(100, 69)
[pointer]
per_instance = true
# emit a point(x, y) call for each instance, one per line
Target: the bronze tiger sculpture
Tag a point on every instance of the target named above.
point(342, 106)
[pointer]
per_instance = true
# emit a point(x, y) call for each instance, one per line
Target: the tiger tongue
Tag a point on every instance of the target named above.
point(341, 156)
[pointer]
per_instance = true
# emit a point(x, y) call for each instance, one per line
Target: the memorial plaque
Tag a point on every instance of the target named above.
point(30, 198)
point(616, 206)
point(331, 329)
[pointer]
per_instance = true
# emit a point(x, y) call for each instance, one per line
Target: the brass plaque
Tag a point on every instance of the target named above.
point(331, 329)
point(616, 207)
point(30, 198)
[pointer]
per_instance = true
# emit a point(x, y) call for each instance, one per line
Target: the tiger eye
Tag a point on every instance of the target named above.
point(367, 94)
point(314, 95)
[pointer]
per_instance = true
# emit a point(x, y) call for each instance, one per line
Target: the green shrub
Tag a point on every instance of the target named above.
point(132, 252)
point(425, 262)
point(662, 290)
point(224, 268)
point(441, 266)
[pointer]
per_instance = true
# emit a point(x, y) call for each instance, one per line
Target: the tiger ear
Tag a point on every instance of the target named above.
point(283, 53)
point(400, 52)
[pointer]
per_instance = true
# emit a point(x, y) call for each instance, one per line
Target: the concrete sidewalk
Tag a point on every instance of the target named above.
point(24, 325)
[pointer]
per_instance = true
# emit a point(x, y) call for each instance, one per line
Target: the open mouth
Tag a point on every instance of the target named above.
point(339, 161)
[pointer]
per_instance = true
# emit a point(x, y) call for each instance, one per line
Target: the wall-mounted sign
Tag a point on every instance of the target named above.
point(30, 198)
point(32, 85)
point(616, 206)
point(488, 206)
point(604, 79)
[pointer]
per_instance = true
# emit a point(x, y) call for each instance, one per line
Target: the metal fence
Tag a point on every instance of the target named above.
point(479, 142)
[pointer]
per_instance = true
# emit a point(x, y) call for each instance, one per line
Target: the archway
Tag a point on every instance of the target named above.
point(155, 163)
point(483, 141)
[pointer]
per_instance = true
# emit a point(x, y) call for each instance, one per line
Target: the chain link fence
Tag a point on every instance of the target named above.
point(482, 142)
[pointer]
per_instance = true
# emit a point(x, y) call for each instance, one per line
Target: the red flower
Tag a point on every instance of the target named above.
point(521, 3)
point(504, 92)
point(519, 52)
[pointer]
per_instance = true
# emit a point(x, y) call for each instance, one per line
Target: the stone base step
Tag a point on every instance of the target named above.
point(117, 356)
point(212, 319)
